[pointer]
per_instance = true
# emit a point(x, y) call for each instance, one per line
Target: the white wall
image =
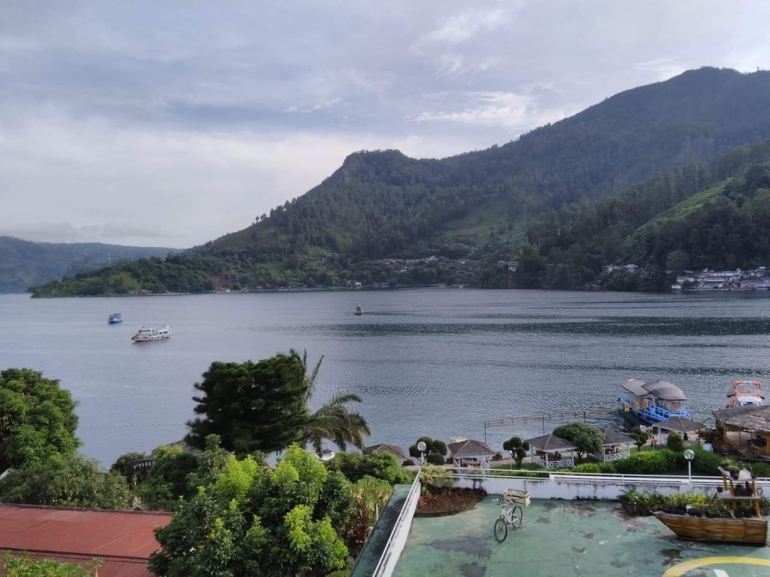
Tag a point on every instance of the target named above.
point(583, 487)
point(400, 533)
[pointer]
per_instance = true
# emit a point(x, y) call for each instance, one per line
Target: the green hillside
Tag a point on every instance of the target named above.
point(474, 208)
point(24, 264)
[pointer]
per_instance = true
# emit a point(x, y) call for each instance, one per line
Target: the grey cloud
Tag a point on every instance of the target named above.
point(192, 117)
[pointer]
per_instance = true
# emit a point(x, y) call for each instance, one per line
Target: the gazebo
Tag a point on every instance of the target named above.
point(546, 451)
point(751, 423)
point(385, 448)
point(678, 425)
point(615, 446)
point(470, 453)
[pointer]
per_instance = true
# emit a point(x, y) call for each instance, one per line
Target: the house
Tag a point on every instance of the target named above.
point(745, 427)
point(123, 540)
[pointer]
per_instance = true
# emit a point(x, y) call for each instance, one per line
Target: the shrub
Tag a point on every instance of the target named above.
point(588, 468)
point(675, 443)
point(648, 463)
point(435, 459)
point(435, 476)
point(705, 462)
point(379, 465)
point(640, 437)
point(448, 502)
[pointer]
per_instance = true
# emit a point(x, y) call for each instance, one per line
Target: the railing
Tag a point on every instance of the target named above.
point(568, 462)
point(641, 478)
point(414, 493)
point(614, 456)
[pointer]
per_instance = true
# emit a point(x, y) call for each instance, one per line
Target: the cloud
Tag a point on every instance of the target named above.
point(463, 27)
point(67, 232)
point(663, 68)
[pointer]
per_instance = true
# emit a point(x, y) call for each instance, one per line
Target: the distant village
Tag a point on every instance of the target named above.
point(752, 279)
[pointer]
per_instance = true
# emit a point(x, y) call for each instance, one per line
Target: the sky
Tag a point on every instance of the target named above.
point(172, 123)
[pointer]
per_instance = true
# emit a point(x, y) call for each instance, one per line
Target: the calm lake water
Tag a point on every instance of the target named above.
point(425, 362)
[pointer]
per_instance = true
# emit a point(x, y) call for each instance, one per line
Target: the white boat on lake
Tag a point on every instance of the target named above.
point(145, 335)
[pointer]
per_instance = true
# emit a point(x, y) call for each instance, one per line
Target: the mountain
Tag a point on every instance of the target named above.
point(24, 264)
point(469, 209)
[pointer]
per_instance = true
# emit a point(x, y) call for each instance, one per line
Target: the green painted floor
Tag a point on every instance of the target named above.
point(567, 538)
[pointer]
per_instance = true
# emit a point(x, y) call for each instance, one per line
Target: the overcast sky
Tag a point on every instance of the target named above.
point(172, 123)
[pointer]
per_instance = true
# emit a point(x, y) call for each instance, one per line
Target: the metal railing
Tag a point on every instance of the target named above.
point(388, 550)
point(528, 474)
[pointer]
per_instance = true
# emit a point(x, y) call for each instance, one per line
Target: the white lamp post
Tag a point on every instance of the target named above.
point(689, 455)
point(421, 446)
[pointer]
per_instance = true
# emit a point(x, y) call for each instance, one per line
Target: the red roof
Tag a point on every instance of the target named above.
point(123, 540)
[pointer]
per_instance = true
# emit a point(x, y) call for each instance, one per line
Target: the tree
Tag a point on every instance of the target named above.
point(640, 437)
point(251, 520)
point(587, 439)
point(434, 453)
point(66, 481)
point(251, 406)
point(674, 442)
point(37, 419)
point(25, 566)
point(168, 479)
point(377, 465)
point(333, 421)
point(517, 448)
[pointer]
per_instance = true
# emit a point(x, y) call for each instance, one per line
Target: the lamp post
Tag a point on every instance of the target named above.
point(421, 446)
point(689, 455)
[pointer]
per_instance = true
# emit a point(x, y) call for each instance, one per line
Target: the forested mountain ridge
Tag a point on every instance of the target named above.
point(24, 264)
point(472, 207)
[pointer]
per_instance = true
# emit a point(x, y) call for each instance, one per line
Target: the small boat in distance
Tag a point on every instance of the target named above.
point(745, 394)
point(325, 455)
point(145, 334)
point(115, 319)
point(359, 310)
point(652, 402)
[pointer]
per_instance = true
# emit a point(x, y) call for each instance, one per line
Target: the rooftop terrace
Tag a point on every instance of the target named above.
point(568, 538)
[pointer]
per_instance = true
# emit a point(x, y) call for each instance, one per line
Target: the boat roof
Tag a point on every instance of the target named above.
point(660, 389)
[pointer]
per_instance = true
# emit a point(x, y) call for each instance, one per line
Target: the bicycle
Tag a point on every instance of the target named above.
point(511, 517)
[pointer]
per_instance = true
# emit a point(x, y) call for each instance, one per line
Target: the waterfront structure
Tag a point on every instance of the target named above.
point(680, 425)
point(652, 401)
point(396, 450)
point(745, 427)
point(615, 446)
point(470, 453)
point(549, 451)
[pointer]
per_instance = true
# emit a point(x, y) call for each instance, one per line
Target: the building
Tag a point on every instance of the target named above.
point(123, 540)
point(611, 268)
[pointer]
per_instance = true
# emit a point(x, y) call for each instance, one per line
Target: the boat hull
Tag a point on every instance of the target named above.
point(139, 341)
point(751, 531)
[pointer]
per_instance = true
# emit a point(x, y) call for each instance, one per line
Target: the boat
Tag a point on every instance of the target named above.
point(115, 319)
point(359, 310)
point(325, 455)
point(652, 402)
point(745, 394)
point(750, 530)
point(145, 335)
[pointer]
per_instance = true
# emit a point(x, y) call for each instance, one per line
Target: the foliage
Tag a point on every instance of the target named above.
point(640, 437)
point(588, 468)
point(168, 479)
point(647, 463)
point(436, 476)
point(67, 481)
point(371, 495)
point(25, 566)
point(674, 442)
point(446, 501)
point(587, 439)
point(495, 203)
point(37, 419)
point(378, 464)
point(517, 448)
point(253, 520)
point(251, 406)
point(123, 465)
point(434, 453)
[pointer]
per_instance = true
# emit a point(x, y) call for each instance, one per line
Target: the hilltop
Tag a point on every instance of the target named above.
point(468, 210)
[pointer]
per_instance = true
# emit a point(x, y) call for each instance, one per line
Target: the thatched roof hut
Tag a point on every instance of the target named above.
point(753, 419)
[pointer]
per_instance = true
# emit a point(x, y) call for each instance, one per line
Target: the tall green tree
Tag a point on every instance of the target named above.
point(333, 421)
point(251, 520)
point(37, 419)
point(517, 448)
point(586, 438)
point(251, 406)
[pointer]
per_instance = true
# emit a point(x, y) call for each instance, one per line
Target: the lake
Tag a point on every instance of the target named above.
point(425, 362)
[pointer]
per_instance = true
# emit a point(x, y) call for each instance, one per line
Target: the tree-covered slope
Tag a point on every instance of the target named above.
point(705, 215)
point(24, 264)
point(475, 206)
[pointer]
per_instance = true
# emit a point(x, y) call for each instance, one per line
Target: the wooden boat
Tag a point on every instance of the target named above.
point(746, 530)
point(359, 310)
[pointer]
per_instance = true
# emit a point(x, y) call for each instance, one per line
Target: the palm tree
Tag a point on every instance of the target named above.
point(333, 421)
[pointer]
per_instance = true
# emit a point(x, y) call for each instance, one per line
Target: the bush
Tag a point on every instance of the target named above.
point(675, 443)
point(588, 468)
point(648, 463)
point(435, 459)
point(441, 502)
point(704, 463)
point(379, 465)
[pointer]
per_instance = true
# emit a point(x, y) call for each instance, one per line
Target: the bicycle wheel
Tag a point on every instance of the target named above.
point(517, 517)
point(501, 530)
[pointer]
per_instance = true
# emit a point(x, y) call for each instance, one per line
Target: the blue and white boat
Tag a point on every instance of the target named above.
point(652, 402)
point(115, 319)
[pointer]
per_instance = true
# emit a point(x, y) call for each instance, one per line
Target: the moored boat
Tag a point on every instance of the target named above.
point(745, 394)
point(653, 401)
point(115, 319)
point(145, 335)
point(359, 310)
